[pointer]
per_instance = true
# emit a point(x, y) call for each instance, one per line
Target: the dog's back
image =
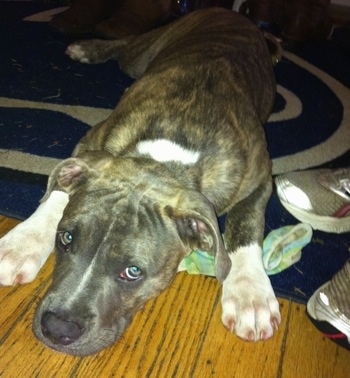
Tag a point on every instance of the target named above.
point(206, 83)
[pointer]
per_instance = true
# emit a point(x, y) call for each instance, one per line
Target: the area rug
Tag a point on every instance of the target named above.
point(48, 102)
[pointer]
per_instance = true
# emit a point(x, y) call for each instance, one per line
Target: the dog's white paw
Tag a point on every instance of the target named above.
point(93, 51)
point(250, 307)
point(76, 52)
point(23, 251)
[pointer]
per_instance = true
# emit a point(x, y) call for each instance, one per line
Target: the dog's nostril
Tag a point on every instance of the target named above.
point(59, 330)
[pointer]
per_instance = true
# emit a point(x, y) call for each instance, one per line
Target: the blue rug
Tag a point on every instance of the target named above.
point(48, 102)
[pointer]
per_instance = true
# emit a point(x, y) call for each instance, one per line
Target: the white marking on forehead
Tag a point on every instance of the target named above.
point(164, 150)
point(88, 274)
point(87, 277)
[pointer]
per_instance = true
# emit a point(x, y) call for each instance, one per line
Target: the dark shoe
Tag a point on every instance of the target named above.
point(139, 16)
point(306, 20)
point(83, 15)
point(134, 17)
point(267, 14)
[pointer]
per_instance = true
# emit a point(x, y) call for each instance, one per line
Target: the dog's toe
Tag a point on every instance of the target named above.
point(228, 321)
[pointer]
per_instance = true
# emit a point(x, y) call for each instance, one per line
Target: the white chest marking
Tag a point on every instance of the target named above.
point(164, 150)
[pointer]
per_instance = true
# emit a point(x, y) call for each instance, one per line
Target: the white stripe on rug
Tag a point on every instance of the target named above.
point(22, 161)
point(86, 114)
point(333, 147)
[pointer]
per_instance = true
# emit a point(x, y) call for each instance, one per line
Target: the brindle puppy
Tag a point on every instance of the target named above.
point(143, 189)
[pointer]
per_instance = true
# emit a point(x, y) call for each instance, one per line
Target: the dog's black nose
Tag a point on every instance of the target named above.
point(59, 330)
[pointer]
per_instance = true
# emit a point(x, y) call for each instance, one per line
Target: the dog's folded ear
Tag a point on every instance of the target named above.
point(68, 175)
point(197, 226)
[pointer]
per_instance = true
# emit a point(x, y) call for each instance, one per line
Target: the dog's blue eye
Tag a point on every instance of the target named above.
point(131, 273)
point(66, 237)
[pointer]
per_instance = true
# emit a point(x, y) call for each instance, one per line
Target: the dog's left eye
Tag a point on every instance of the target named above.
point(131, 273)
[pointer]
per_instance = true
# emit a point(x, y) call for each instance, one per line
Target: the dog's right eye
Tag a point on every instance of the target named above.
point(131, 273)
point(65, 238)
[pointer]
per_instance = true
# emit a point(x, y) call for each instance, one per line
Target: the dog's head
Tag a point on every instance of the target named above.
point(127, 226)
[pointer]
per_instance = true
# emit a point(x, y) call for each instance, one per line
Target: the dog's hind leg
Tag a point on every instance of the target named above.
point(94, 51)
point(135, 53)
point(24, 250)
point(250, 308)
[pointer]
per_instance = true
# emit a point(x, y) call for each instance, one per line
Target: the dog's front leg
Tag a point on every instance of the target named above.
point(24, 250)
point(250, 308)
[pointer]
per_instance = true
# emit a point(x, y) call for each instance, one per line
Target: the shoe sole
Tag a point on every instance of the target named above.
point(317, 222)
point(330, 332)
point(329, 324)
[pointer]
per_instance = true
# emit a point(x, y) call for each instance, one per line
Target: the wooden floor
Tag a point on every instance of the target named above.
point(177, 335)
